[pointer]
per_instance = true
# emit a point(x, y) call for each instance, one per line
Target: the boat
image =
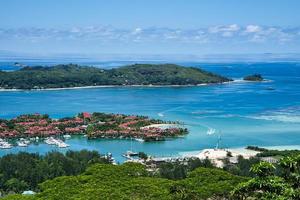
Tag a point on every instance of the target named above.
point(5, 145)
point(129, 154)
point(139, 139)
point(50, 141)
point(67, 136)
point(211, 131)
point(160, 114)
point(27, 142)
point(62, 145)
point(22, 144)
point(110, 158)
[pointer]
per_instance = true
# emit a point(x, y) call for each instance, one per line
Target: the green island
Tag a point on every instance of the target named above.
point(71, 75)
point(254, 77)
point(90, 175)
point(95, 125)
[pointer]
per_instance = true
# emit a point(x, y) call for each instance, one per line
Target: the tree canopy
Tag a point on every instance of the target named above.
point(133, 181)
point(63, 76)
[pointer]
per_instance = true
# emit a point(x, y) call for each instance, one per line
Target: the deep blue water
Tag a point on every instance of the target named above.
point(243, 113)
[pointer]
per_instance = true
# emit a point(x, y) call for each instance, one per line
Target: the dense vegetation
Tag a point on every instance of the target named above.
point(189, 179)
point(132, 181)
point(254, 77)
point(63, 76)
point(179, 170)
point(272, 182)
point(242, 167)
point(272, 152)
point(24, 171)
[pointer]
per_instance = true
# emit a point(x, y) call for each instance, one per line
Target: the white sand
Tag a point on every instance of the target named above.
point(162, 126)
point(217, 155)
point(110, 86)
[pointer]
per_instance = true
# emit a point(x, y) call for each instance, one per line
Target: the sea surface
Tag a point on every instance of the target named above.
point(239, 113)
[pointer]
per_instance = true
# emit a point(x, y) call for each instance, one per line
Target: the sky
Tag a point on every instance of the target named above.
point(179, 27)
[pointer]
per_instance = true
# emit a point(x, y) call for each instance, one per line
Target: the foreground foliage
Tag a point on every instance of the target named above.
point(268, 186)
point(132, 181)
point(24, 171)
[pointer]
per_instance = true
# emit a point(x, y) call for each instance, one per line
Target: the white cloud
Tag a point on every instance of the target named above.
point(227, 34)
point(106, 34)
point(252, 29)
point(137, 31)
point(229, 28)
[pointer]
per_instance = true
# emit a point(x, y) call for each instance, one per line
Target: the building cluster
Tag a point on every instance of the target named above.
point(97, 125)
point(40, 125)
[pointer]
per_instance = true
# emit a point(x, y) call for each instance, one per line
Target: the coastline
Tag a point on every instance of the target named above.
point(220, 153)
point(119, 86)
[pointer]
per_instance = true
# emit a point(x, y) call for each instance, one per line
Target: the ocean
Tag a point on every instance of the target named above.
point(240, 113)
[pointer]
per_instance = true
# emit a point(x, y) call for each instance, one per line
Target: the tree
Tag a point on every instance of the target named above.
point(143, 155)
point(266, 185)
point(15, 185)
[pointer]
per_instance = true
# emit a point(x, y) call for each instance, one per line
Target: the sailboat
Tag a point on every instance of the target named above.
point(219, 142)
point(211, 131)
point(130, 153)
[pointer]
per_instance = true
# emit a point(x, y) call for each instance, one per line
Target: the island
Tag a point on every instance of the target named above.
point(254, 77)
point(93, 125)
point(72, 75)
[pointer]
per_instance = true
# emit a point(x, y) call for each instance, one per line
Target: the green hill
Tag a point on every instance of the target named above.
point(64, 76)
point(132, 181)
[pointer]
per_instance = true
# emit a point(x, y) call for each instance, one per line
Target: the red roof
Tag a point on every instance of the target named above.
point(86, 115)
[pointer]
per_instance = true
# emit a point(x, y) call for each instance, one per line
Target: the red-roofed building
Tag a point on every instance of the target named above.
point(86, 115)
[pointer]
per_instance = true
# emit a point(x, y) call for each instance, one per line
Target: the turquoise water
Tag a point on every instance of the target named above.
point(242, 113)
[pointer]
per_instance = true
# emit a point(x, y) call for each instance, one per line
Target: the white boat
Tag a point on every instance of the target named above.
point(139, 139)
point(160, 114)
point(211, 131)
point(22, 144)
point(57, 142)
point(24, 141)
point(50, 141)
point(62, 145)
point(67, 136)
point(5, 145)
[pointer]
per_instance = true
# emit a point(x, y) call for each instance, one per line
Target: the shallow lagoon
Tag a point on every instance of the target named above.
point(242, 113)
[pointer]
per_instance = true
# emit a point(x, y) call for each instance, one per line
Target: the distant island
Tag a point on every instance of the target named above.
point(95, 125)
point(71, 75)
point(254, 77)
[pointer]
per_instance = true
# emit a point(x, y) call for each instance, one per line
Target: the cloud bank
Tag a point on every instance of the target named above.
point(210, 37)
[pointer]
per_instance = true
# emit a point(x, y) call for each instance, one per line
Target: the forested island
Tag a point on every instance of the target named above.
point(93, 125)
point(254, 77)
point(71, 75)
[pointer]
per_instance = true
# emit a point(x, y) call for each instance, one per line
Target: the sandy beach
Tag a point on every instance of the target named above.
point(162, 126)
point(110, 86)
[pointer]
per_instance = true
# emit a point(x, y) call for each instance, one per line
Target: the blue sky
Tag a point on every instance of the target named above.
point(150, 27)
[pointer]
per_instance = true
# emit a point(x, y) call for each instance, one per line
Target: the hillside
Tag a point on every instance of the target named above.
point(64, 76)
point(132, 181)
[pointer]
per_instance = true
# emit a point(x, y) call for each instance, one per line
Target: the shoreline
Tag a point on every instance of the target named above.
point(106, 86)
point(123, 86)
point(238, 150)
